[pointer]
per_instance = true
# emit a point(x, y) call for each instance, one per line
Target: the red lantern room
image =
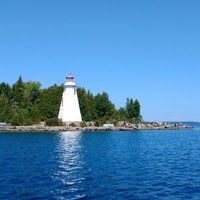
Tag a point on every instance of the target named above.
point(70, 77)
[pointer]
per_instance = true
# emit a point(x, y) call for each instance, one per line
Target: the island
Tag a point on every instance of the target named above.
point(25, 106)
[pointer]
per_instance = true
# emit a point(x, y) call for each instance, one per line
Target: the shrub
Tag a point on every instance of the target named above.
point(100, 122)
point(72, 125)
point(53, 122)
point(83, 124)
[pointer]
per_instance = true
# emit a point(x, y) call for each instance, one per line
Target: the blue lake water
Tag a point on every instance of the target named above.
point(105, 165)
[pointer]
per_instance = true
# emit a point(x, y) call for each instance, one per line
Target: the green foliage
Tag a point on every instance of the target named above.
point(84, 103)
point(130, 108)
point(21, 117)
point(87, 104)
point(16, 120)
point(35, 115)
point(121, 114)
point(100, 122)
point(53, 122)
point(18, 91)
point(72, 125)
point(104, 106)
point(5, 108)
point(32, 92)
point(136, 110)
point(133, 110)
point(25, 103)
point(83, 124)
point(95, 107)
point(48, 102)
point(5, 89)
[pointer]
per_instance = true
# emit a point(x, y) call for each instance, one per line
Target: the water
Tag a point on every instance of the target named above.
point(109, 165)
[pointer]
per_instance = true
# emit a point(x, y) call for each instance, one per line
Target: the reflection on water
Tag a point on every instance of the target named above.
point(70, 166)
point(68, 148)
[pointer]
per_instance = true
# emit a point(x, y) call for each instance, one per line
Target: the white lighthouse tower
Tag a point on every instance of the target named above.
point(69, 108)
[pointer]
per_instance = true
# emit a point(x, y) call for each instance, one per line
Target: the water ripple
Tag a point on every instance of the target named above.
point(113, 165)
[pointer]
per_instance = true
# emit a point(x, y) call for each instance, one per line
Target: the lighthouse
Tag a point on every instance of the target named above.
point(69, 107)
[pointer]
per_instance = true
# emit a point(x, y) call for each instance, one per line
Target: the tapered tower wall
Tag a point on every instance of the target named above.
point(69, 108)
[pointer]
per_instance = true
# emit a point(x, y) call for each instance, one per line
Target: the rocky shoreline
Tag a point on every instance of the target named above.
point(132, 127)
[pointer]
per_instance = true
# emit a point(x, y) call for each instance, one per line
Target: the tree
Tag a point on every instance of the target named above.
point(104, 106)
point(5, 89)
point(133, 110)
point(5, 108)
point(130, 109)
point(35, 115)
point(84, 103)
point(31, 92)
point(121, 114)
point(87, 104)
point(18, 90)
point(21, 117)
point(48, 102)
point(92, 114)
point(136, 110)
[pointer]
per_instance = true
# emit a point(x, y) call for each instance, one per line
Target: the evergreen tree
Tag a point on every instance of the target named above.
point(133, 110)
point(21, 117)
point(48, 102)
point(31, 92)
point(121, 114)
point(130, 109)
point(18, 90)
point(136, 110)
point(84, 103)
point(5, 89)
point(92, 114)
point(35, 115)
point(104, 106)
point(5, 108)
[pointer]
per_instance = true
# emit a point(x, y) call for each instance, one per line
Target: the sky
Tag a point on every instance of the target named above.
point(141, 49)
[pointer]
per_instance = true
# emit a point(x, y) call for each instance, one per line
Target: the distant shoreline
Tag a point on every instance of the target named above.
point(87, 129)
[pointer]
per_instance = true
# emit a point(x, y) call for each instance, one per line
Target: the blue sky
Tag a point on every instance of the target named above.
point(149, 50)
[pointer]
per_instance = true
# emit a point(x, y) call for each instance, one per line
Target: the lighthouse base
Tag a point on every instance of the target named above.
point(72, 124)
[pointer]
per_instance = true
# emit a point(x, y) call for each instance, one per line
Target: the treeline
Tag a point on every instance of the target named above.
point(100, 109)
point(25, 103)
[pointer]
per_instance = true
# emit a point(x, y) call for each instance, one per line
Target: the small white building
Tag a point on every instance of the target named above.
point(69, 107)
point(3, 124)
point(108, 126)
